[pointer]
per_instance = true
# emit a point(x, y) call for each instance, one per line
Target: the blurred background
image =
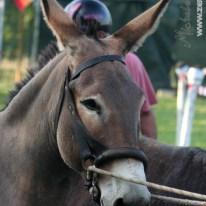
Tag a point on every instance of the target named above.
point(181, 36)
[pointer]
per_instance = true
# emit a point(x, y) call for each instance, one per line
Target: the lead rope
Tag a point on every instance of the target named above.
point(93, 169)
point(179, 201)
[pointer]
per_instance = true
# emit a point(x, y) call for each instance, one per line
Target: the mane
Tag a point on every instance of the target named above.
point(45, 56)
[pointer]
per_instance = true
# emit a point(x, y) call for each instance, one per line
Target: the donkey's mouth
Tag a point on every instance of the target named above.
point(115, 192)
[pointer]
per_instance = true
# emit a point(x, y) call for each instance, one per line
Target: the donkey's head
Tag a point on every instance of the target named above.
point(100, 109)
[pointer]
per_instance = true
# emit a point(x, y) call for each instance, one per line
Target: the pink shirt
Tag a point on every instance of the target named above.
point(141, 78)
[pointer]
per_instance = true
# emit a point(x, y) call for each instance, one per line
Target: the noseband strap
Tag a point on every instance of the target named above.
point(97, 60)
point(124, 152)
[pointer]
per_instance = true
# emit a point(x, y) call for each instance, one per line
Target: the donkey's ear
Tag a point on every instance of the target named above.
point(59, 22)
point(132, 35)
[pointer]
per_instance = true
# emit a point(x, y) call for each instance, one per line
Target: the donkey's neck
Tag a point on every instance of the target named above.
point(33, 167)
point(25, 100)
point(30, 116)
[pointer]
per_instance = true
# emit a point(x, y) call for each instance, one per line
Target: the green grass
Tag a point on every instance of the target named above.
point(166, 120)
point(165, 112)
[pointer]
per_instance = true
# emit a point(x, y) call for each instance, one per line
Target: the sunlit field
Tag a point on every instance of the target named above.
point(165, 112)
point(166, 120)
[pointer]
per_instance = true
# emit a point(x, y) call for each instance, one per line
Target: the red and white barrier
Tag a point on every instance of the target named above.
point(194, 77)
point(181, 95)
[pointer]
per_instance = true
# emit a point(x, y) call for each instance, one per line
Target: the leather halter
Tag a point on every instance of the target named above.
point(97, 60)
point(89, 148)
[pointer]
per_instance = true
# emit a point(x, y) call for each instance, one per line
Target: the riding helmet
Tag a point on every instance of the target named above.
point(90, 15)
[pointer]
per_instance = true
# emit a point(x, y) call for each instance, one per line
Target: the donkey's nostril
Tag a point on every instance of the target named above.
point(118, 202)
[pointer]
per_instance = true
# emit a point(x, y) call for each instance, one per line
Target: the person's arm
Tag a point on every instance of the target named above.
point(148, 124)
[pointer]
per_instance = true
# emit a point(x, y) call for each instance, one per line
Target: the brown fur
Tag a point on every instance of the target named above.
point(180, 167)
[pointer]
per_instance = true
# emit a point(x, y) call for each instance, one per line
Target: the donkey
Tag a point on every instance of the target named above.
point(180, 167)
point(81, 109)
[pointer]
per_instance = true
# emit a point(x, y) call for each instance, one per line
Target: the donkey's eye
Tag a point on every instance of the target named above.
point(91, 104)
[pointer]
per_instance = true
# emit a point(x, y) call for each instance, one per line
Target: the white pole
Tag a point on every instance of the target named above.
point(202, 89)
point(195, 77)
point(181, 95)
point(2, 8)
point(35, 41)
